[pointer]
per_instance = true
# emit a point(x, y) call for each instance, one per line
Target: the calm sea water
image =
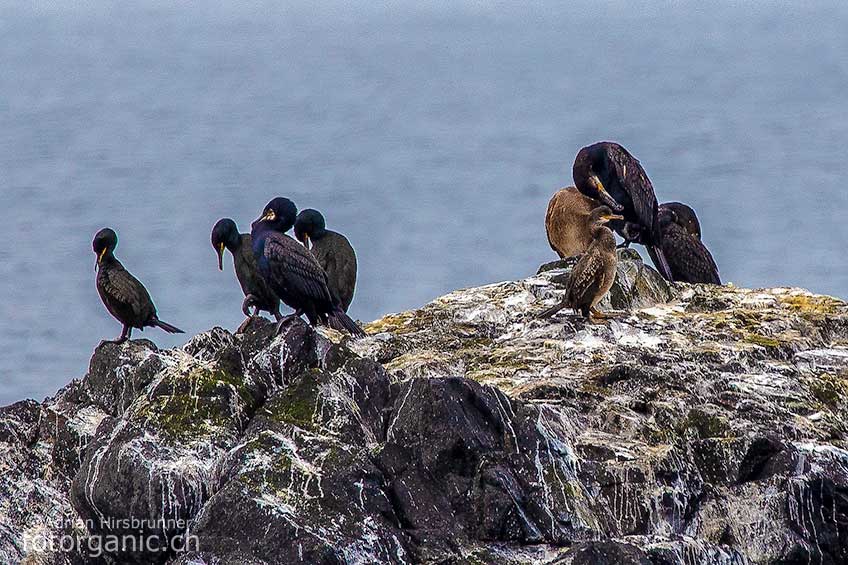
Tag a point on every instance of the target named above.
point(433, 137)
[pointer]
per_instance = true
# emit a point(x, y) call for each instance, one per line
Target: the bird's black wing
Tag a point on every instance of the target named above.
point(295, 269)
point(346, 272)
point(125, 296)
point(637, 184)
point(690, 261)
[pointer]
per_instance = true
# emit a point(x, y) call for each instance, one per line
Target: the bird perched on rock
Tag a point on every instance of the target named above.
point(688, 259)
point(686, 217)
point(292, 271)
point(257, 293)
point(594, 273)
point(333, 251)
point(122, 294)
point(567, 222)
point(606, 172)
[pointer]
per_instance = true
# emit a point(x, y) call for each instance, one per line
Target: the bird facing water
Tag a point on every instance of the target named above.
point(594, 273)
point(122, 294)
point(688, 258)
point(292, 271)
point(333, 252)
point(607, 172)
point(257, 292)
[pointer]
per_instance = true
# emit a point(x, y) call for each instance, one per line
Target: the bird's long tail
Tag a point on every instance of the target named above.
point(553, 309)
point(167, 327)
point(658, 257)
point(338, 320)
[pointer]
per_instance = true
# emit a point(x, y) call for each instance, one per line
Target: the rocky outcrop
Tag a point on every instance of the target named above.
point(699, 425)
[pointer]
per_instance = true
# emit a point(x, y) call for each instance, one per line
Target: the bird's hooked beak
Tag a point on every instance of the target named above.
point(611, 217)
point(220, 251)
point(603, 194)
point(100, 257)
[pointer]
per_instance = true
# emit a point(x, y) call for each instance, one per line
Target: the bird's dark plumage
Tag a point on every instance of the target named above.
point(257, 292)
point(689, 260)
point(594, 273)
point(607, 172)
point(292, 271)
point(684, 216)
point(123, 295)
point(333, 252)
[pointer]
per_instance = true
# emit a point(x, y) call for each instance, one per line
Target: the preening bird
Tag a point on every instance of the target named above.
point(684, 216)
point(688, 258)
point(257, 292)
point(567, 222)
point(606, 172)
point(594, 273)
point(292, 271)
point(333, 252)
point(122, 294)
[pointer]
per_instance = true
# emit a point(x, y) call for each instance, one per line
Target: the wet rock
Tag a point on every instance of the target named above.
point(702, 424)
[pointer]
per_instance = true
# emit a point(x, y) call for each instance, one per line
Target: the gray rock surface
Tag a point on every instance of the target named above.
point(700, 425)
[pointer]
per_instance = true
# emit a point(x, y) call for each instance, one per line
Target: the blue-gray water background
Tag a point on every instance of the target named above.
point(431, 136)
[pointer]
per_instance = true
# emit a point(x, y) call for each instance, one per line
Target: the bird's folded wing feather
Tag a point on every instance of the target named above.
point(638, 185)
point(688, 255)
point(126, 290)
point(585, 279)
point(295, 268)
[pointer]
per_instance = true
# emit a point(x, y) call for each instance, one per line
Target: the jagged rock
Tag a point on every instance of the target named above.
point(701, 425)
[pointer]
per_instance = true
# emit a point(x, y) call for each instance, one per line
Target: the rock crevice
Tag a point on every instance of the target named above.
point(701, 425)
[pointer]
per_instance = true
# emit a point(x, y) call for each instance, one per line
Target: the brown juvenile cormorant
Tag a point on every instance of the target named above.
point(689, 260)
point(257, 293)
point(333, 251)
point(124, 296)
point(606, 172)
point(567, 222)
point(594, 273)
point(293, 272)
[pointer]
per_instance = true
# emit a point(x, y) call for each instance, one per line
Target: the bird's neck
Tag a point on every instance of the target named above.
point(235, 243)
point(603, 235)
point(108, 260)
point(318, 234)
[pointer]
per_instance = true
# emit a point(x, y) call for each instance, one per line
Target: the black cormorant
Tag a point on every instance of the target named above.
point(257, 293)
point(333, 251)
point(293, 272)
point(594, 273)
point(567, 222)
point(689, 260)
point(122, 294)
point(606, 172)
point(685, 217)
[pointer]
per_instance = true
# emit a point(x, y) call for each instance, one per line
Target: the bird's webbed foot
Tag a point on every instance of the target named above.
point(633, 233)
point(596, 316)
point(125, 335)
point(281, 325)
point(249, 301)
point(243, 327)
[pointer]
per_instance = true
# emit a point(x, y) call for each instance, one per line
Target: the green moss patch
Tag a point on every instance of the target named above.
point(829, 389)
point(297, 404)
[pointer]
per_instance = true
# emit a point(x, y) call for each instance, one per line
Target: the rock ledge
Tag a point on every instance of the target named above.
point(701, 425)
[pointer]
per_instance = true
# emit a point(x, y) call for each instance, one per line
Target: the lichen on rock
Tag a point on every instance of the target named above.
point(702, 424)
